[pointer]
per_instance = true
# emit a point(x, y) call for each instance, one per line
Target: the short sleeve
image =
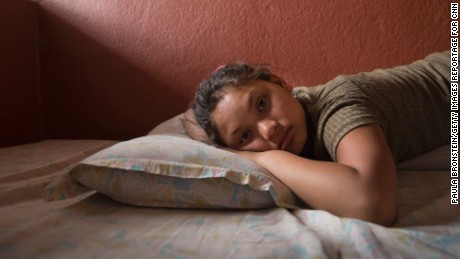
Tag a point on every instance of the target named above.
point(342, 122)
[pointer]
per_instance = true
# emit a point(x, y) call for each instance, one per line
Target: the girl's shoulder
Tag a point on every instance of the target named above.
point(336, 87)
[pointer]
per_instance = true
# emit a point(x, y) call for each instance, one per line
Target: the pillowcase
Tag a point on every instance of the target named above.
point(168, 169)
point(193, 129)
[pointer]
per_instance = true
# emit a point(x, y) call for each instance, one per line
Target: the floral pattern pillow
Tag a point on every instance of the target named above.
point(168, 169)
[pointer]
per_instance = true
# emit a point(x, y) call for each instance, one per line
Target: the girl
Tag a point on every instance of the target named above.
point(334, 145)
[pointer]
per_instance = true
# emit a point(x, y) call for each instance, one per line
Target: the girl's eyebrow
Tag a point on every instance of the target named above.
point(235, 131)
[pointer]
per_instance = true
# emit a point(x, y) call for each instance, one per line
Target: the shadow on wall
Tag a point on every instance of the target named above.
point(115, 69)
point(20, 116)
point(89, 91)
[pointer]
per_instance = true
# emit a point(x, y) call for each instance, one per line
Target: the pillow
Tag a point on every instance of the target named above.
point(193, 129)
point(168, 169)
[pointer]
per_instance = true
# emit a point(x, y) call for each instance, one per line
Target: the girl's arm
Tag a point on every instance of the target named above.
point(362, 184)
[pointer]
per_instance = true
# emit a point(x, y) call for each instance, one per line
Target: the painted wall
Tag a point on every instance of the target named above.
point(20, 114)
point(115, 69)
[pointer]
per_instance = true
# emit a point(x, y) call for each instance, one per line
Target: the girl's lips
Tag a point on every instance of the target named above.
point(287, 139)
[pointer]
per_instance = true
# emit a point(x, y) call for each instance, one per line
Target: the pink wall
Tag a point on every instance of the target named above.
point(115, 69)
point(20, 115)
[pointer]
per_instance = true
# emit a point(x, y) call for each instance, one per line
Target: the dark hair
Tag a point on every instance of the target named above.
point(210, 91)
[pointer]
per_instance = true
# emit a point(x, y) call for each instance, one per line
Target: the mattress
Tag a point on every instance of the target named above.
point(94, 226)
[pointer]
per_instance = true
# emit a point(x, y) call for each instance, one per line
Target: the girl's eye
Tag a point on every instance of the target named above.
point(261, 104)
point(244, 137)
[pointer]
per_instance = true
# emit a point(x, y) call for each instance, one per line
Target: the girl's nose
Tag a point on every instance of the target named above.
point(267, 128)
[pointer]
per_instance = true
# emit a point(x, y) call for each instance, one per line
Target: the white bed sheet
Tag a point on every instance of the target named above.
point(93, 226)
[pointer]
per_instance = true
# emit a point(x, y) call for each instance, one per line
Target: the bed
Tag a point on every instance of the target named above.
point(92, 225)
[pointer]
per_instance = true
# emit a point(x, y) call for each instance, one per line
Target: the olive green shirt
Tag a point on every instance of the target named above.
point(411, 103)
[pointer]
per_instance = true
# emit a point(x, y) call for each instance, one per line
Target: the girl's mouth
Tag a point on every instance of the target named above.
point(286, 141)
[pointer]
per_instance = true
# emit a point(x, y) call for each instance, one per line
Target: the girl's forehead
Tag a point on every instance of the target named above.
point(233, 105)
point(231, 90)
point(246, 86)
point(231, 97)
point(245, 91)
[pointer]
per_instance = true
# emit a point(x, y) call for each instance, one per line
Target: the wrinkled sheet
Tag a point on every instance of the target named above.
point(94, 226)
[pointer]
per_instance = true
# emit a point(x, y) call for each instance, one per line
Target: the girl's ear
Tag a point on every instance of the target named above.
point(281, 82)
point(286, 86)
point(277, 80)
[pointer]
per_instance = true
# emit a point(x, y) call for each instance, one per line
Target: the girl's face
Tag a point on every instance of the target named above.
point(260, 116)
